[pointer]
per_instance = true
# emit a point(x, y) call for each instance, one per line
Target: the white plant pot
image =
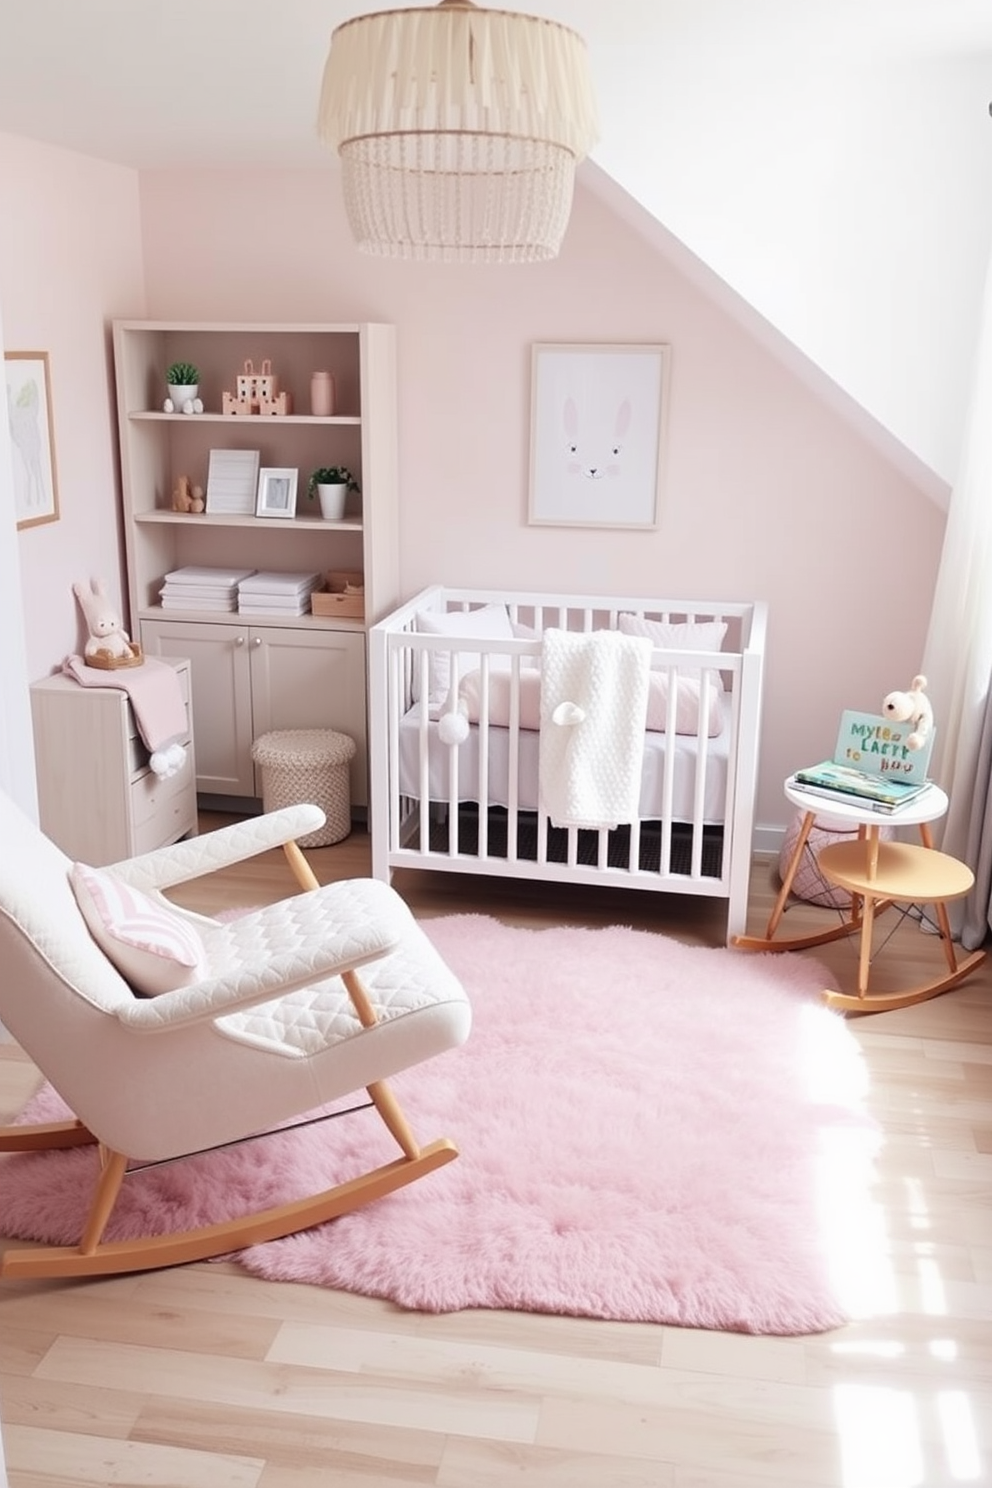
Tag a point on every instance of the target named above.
point(333, 500)
point(182, 394)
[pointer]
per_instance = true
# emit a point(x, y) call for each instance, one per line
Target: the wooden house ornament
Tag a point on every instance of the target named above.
point(257, 393)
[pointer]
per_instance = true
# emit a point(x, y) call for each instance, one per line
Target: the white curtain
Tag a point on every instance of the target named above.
point(958, 656)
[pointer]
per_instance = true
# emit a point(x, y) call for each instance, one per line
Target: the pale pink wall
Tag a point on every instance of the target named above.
point(70, 260)
point(768, 493)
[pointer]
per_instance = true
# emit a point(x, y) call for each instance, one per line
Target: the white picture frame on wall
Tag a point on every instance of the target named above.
point(277, 491)
point(598, 418)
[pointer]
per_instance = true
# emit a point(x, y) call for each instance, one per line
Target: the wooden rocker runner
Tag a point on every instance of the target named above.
point(284, 1010)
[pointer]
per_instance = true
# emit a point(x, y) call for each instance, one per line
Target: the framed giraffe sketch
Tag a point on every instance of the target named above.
point(598, 416)
point(32, 437)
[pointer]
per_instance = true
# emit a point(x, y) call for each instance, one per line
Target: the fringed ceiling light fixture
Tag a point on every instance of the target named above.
point(459, 130)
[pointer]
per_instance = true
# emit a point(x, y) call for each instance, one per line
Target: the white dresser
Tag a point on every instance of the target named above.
point(99, 800)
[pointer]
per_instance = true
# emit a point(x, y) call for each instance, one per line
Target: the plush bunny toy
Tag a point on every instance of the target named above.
point(911, 707)
point(103, 621)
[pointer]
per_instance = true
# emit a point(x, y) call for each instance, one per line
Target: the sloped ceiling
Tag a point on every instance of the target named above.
point(829, 162)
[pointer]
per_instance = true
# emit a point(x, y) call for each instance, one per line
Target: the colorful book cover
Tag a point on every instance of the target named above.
point(845, 780)
point(874, 745)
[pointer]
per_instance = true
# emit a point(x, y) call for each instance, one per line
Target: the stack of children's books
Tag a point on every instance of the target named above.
point(872, 765)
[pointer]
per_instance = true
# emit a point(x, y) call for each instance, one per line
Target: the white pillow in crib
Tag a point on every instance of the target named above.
point(490, 623)
point(686, 705)
point(683, 635)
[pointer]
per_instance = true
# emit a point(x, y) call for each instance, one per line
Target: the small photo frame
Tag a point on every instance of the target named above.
point(598, 416)
point(32, 437)
point(276, 492)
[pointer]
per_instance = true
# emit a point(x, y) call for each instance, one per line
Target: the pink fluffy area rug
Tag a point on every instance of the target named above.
point(648, 1131)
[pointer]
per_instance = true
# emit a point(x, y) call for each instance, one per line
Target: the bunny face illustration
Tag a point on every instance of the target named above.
point(594, 453)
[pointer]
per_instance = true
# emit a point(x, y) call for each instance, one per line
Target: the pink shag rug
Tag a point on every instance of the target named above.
point(648, 1131)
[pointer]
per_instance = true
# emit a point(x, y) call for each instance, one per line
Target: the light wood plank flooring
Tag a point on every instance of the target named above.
point(206, 1376)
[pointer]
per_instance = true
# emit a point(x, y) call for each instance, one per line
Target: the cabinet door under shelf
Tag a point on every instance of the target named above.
point(311, 679)
point(221, 688)
point(248, 679)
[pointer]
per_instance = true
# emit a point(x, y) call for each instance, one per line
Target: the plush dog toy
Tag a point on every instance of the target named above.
point(911, 707)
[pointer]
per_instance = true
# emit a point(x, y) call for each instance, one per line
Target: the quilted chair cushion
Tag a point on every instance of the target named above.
point(155, 949)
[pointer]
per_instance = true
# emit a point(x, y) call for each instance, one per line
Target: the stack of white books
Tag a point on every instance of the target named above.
point(199, 588)
point(270, 593)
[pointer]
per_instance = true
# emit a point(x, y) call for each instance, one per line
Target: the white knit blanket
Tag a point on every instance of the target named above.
point(594, 700)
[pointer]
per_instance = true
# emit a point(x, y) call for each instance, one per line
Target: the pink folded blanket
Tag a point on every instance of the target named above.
point(156, 701)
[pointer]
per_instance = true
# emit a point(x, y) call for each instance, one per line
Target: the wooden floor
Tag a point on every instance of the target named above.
point(204, 1377)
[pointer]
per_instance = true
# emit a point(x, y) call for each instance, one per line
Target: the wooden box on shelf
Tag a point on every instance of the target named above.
point(344, 595)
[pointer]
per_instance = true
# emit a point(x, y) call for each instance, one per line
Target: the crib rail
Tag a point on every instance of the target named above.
point(472, 806)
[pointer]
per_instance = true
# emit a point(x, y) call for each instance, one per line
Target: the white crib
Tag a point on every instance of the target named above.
point(474, 806)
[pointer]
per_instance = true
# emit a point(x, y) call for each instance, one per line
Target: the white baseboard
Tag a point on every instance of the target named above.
point(768, 839)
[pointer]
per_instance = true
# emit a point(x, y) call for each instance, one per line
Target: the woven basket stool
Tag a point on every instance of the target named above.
point(809, 883)
point(308, 765)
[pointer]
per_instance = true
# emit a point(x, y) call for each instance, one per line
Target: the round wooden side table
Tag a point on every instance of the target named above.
point(876, 874)
point(929, 806)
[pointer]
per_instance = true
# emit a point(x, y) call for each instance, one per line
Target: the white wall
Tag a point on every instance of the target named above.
point(70, 260)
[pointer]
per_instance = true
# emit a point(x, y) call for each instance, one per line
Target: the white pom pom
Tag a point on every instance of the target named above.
point(168, 406)
point(567, 715)
point(168, 761)
point(188, 406)
point(453, 727)
point(197, 405)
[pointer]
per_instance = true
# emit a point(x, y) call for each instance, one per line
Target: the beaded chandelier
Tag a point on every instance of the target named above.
point(459, 130)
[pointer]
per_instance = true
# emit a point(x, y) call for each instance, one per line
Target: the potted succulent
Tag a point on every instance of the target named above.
point(331, 484)
point(183, 380)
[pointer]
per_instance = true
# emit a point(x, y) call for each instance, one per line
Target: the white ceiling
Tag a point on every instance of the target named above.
point(160, 83)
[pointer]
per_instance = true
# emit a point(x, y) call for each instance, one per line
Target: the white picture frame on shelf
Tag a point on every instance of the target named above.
point(277, 491)
point(232, 482)
point(598, 416)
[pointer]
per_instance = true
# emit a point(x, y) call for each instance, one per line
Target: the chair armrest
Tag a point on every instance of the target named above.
point(206, 1001)
point(214, 850)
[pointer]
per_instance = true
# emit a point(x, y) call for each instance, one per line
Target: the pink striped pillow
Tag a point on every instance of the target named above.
point(155, 950)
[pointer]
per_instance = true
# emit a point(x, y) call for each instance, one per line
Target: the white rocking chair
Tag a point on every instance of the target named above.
point(274, 1022)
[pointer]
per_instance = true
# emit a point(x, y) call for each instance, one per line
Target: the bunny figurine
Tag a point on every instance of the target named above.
point(106, 633)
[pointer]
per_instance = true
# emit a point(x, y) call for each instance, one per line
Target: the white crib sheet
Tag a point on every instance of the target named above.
point(439, 783)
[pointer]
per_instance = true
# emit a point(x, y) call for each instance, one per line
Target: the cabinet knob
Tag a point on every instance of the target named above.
point(239, 640)
point(257, 641)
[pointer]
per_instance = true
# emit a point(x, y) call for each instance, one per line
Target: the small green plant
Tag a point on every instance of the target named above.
point(331, 475)
point(182, 374)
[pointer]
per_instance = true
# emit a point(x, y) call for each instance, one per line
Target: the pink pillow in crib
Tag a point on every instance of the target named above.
point(683, 635)
point(686, 706)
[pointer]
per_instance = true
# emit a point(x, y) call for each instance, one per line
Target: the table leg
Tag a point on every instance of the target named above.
point(864, 958)
point(778, 909)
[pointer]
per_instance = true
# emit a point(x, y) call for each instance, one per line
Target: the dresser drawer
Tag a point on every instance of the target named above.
point(162, 809)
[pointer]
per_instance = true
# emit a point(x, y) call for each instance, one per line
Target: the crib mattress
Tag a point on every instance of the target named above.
point(453, 774)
